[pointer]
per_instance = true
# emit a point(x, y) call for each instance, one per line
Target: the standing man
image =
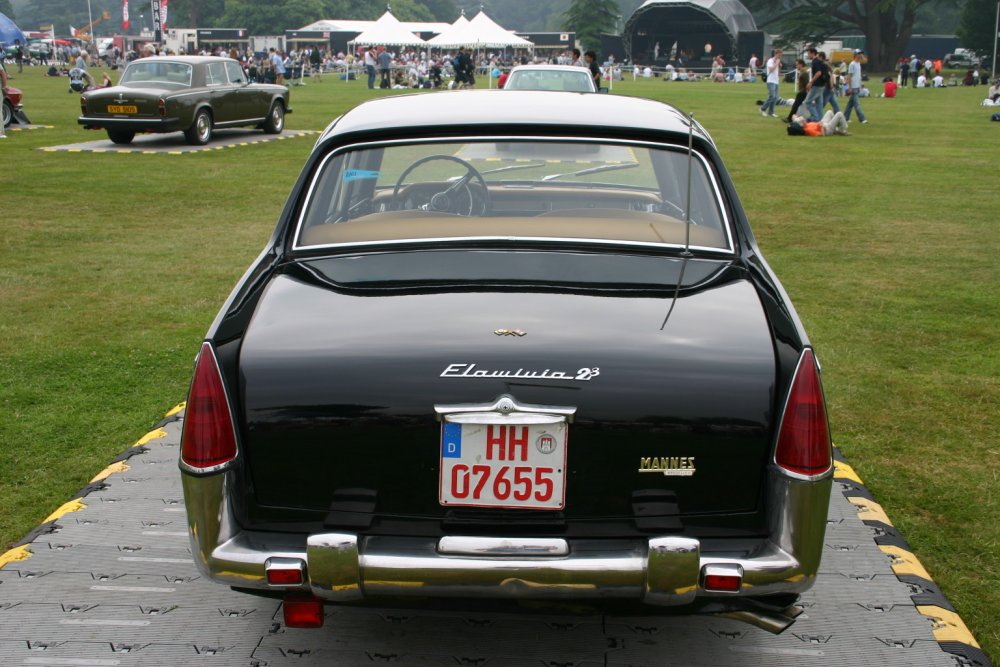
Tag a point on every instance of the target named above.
point(384, 67)
point(370, 67)
point(595, 69)
point(914, 68)
point(19, 55)
point(829, 93)
point(819, 78)
point(753, 66)
point(278, 65)
point(315, 63)
point(904, 71)
point(773, 79)
point(801, 83)
point(854, 87)
point(3, 91)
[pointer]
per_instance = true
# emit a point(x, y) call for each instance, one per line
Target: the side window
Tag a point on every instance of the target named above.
point(235, 73)
point(215, 74)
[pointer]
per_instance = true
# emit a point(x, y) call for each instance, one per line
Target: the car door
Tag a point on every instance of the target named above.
point(247, 101)
point(222, 94)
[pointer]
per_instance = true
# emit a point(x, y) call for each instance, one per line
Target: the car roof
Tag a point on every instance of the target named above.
point(190, 60)
point(532, 108)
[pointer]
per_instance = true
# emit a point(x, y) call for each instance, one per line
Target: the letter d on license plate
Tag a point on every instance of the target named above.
point(512, 461)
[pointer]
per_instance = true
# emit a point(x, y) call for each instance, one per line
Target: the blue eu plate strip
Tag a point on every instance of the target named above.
point(451, 441)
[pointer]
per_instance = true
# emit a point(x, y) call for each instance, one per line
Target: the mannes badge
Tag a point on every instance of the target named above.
point(668, 466)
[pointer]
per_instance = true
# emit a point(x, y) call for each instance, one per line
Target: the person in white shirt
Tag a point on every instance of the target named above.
point(854, 87)
point(938, 81)
point(921, 81)
point(773, 79)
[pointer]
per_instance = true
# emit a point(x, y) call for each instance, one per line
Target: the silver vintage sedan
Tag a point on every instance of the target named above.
point(189, 94)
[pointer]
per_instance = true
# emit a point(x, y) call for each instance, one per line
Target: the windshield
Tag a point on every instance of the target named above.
point(516, 191)
point(146, 71)
point(550, 79)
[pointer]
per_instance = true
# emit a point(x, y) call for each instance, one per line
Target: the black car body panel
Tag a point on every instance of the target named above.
point(701, 382)
point(390, 315)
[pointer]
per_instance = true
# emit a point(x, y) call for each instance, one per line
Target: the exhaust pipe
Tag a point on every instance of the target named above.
point(773, 622)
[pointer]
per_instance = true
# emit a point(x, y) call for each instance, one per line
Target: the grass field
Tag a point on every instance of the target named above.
point(112, 266)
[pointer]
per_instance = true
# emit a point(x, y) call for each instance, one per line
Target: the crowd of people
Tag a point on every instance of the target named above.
point(818, 83)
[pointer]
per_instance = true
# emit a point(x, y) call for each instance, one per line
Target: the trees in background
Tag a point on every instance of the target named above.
point(886, 24)
point(589, 18)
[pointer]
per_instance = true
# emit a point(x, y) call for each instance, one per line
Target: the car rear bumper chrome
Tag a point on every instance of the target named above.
point(662, 570)
point(146, 124)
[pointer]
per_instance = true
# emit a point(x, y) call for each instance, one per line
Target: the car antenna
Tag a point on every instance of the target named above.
point(687, 226)
point(687, 212)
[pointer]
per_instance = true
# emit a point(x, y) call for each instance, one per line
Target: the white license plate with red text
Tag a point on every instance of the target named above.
point(516, 462)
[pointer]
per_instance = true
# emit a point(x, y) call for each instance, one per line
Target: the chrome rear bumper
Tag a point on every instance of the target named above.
point(663, 570)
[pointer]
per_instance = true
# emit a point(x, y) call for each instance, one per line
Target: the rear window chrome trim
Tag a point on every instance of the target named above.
point(720, 199)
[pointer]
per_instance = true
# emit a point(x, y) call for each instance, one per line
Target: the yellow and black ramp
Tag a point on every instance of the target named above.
point(108, 579)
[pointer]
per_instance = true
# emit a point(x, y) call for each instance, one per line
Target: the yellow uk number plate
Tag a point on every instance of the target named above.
point(123, 108)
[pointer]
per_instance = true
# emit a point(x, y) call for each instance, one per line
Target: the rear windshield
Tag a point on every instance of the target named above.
point(515, 191)
point(144, 71)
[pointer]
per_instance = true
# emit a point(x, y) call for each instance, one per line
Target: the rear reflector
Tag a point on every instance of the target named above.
point(208, 438)
point(284, 577)
point(729, 583)
point(804, 445)
point(303, 611)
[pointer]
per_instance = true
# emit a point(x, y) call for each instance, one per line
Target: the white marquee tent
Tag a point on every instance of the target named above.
point(388, 31)
point(480, 32)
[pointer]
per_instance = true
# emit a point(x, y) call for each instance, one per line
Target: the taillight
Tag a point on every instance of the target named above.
point(804, 437)
point(208, 438)
point(161, 107)
point(83, 105)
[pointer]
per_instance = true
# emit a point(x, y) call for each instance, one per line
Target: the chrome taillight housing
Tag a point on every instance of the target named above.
point(209, 437)
point(804, 446)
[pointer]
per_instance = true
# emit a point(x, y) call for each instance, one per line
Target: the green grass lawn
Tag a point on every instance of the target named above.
point(112, 267)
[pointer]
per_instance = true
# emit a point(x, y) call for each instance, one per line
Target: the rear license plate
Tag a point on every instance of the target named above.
point(518, 465)
point(123, 108)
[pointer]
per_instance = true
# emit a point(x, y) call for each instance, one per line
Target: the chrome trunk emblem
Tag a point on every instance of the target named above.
point(510, 332)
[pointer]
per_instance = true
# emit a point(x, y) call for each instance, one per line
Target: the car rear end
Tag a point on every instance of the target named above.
point(510, 422)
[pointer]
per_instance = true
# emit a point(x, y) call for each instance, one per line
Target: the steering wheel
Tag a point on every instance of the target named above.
point(446, 201)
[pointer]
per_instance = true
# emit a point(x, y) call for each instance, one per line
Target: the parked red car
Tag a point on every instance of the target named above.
point(12, 107)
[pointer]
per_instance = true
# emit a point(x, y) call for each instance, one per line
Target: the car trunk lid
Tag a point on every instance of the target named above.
point(672, 399)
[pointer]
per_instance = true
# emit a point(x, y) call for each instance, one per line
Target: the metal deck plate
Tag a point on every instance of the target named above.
point(109, 580)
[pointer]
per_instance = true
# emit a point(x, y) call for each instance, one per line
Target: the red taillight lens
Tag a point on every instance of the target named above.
point(83, 105)
point(804, 437)
point(303, 611)
point(208, 438)
point(161, 107)
point(284, 577)
point(729, 583)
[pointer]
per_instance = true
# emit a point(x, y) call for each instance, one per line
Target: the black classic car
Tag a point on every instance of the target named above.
point(510, 354)
point(189, 94)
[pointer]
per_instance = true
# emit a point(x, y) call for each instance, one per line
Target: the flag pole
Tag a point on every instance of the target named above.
point(996, 34)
